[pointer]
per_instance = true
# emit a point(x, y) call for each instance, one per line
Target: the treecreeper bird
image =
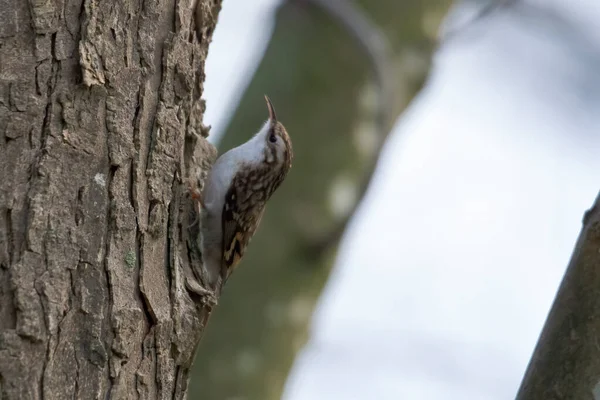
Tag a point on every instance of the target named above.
point(235, 193)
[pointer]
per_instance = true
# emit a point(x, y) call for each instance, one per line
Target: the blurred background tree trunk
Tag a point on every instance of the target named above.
point(321, 84)
point(99, 102)
point(566, 360)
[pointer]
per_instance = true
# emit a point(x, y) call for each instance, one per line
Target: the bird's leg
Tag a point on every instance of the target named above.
point(208, 296)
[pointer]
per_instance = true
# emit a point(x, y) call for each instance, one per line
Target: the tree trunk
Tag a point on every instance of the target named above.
point(321, 84)
point(99, 114)
point(566, 360)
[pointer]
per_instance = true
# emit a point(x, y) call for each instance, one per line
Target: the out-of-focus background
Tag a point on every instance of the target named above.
point(443, 277)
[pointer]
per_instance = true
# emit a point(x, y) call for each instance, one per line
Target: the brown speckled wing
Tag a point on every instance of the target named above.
point(239, 224)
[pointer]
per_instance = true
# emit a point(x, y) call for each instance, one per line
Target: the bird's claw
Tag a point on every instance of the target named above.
point(195, 193)
point(207, 296)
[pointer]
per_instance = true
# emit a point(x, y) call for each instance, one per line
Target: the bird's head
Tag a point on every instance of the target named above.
point(278, 152)
point(266, 159)
point(270, 153)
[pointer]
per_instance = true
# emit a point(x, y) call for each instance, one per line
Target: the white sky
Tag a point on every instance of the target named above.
point(240, 39)
point(470, 222)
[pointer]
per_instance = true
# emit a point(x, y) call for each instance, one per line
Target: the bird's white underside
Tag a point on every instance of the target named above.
point(228, 164)
point(216, 186)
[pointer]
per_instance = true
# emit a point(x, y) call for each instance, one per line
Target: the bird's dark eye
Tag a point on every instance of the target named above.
point(272, 138)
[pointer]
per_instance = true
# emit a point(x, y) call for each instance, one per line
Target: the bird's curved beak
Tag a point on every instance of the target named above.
point(272, 116)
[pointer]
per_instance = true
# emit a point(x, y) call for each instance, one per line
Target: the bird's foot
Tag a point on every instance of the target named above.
point(208, 297)
point(195, 193)
point(196, 196)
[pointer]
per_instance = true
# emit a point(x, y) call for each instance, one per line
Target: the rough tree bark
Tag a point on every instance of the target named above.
point(100, 117)
point(566, 360)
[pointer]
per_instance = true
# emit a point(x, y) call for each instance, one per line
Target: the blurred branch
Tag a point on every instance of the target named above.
point(566, 360)
point(480, 15)
point(374, 44)
point(316, 73)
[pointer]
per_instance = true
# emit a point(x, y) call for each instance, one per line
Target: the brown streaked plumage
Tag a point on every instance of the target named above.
point(248, 194)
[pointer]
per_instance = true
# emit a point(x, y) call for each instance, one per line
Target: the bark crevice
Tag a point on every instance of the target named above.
point(93, 118)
